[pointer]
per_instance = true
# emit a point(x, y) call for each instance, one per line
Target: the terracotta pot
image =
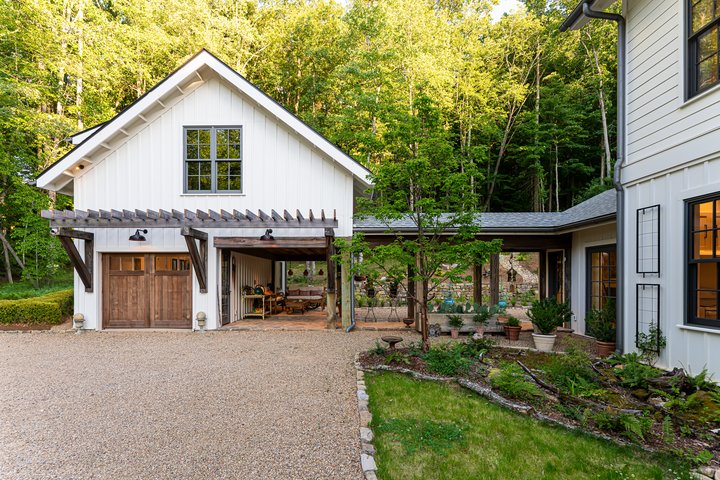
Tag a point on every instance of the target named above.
point(480, 329)
point(512, 333)
point(454, 332)
point(544, 343)
point(605, 349)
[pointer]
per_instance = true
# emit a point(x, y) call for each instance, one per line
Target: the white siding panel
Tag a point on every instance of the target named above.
point(145, 171)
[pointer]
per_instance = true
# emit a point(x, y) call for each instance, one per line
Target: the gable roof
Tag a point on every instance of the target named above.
point(598, 209)
point(186, 76)
point(577, 18)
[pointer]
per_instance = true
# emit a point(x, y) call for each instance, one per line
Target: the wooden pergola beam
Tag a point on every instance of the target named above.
point(83, 264)
point(178, 219)
point(198, 255)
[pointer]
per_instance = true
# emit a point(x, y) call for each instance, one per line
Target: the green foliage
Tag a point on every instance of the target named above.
point(447, 359)
point(474, 347)
point(650, 344)
point(511, 381)
point(702, 381)
point(668, 430)
point(378, 349)
point(632, 373)
point(63, 299)
point(455, 321)
point(601, 323)
point(483, 313)
point(398, 357)
point(512, 322)
point(572, 372)
point(31, 310)
point(423, 434)
point(634, 427)
point(548, 314)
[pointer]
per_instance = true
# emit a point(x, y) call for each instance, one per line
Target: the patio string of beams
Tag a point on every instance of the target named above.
point(177, 219)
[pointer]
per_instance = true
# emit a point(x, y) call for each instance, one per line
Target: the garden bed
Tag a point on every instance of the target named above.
point(619, 397)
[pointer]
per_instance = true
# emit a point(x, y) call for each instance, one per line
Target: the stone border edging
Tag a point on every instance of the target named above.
point(367, 450)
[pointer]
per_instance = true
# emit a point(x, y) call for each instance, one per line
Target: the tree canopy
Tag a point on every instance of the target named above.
point(525, 113)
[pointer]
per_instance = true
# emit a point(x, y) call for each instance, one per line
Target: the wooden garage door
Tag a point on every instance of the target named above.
point(147, 290)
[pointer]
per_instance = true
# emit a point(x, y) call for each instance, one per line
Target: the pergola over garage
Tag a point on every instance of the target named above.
point(72, 225)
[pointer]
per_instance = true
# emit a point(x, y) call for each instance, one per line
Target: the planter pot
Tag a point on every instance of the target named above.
point(454, 332)
point(502, 318)
point(544, 343)
point(512, 333)
point(604, 349)
point(480, 330)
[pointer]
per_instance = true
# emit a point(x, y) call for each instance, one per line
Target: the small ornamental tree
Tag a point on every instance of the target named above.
point(425, 199)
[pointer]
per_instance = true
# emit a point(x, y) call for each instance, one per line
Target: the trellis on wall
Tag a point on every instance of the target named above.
point(647, 315)
point(648, 241)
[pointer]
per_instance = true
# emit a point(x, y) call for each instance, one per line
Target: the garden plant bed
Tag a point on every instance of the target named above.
point(618, 398)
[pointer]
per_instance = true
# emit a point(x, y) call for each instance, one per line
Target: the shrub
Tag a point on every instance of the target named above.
point(31, 310)
point(632, 373)
point(483, 314)
point(548, 314)
point(601, 323)
point(572, 372)
point(475, 346)
point(455, 321)
point(510, 380)
point(446, 359)
point(512, 322)
point(651, 344)
point(63, 298)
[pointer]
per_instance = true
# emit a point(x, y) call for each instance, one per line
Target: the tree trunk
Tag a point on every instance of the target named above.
point(8, 267)
point(424, 316)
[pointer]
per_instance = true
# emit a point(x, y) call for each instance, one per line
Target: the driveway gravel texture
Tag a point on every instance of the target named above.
point(176, 405)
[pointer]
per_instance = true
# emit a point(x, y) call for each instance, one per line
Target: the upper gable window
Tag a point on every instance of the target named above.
point(703, 28)
point(213, 159)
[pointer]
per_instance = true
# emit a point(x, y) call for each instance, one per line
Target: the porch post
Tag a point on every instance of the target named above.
point(494, 278)
point(542, 277)
point(477, 284)
point(331, 276)
point(346, 290)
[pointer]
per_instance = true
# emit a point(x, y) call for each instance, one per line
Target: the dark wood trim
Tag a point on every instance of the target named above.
point(83, 265)
point(198, 256)
point(278, 243)
point(330, 259)
point(411, 293)
point(542, 277)
point(477, 284)
point(494, 278)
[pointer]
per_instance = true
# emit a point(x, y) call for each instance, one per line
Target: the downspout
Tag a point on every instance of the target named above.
point(352, 300)
point(619, 162)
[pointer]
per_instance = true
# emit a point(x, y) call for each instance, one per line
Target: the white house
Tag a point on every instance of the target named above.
point(668, 174)
point(173, 195)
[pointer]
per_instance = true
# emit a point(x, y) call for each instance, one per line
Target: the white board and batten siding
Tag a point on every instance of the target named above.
point(582, 240)
point(673, 154)
point(281, 171)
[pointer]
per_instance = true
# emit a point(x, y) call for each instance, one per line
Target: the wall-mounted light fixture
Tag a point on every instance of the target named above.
point(267, 236)
point(137, 237)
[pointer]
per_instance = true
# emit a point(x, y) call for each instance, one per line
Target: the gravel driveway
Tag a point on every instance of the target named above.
point(246, 405)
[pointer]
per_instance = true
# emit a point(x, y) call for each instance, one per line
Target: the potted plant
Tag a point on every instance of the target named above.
point(601, 325)
point(502, 317)
point(482, 317)
point(546, 316)
point(512, 328)
point(455, 322)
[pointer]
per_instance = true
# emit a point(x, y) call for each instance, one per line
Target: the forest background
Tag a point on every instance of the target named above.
point(526, 112)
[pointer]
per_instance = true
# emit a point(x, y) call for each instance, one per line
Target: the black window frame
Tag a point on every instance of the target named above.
point(213, 159)
point(691, 60)
point(691, 263)
point(607, 248)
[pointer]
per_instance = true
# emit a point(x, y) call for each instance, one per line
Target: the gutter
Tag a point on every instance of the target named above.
point(619, 162)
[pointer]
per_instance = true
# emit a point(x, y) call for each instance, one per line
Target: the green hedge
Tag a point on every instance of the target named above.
point(64, 299)
point(49, 308)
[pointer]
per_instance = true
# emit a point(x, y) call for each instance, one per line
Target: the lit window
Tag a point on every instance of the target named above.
point(703, 261)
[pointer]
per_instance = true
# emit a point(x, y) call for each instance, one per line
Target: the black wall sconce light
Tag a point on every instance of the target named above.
point(267, 236)
point(137, 237)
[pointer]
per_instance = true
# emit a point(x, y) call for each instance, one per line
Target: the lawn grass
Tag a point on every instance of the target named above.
point(427, 430)
point(25, 289)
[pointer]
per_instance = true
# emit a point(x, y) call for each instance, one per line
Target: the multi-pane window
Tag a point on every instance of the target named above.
point(602, 276)
point(213, 159)
point(704, 261)
point(703, 30)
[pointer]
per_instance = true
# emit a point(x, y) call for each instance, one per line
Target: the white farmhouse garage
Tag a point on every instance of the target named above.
point(173, 195)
